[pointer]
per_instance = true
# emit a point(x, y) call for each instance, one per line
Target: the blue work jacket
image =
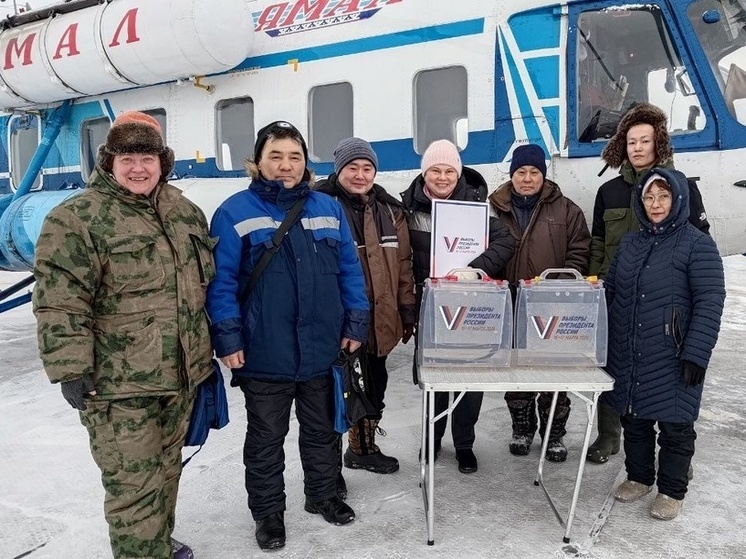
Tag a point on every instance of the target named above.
point(310, 296)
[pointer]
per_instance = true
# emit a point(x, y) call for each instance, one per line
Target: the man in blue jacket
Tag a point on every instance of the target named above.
point(281, 336)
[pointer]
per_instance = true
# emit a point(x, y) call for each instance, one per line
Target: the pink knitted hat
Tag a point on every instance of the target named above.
point(441, 152)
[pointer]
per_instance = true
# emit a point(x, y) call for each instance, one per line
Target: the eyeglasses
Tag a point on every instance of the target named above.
point(662, 198)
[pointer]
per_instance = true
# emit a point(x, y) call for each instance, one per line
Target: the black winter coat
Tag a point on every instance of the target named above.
point(471, 187)
point(665, 292)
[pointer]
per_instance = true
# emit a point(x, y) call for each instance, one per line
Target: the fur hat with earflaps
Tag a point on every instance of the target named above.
point(135, 132)
point(615, 152)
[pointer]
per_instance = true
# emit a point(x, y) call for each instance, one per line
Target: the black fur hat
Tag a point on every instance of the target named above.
point(135, 132)
point(615, 152)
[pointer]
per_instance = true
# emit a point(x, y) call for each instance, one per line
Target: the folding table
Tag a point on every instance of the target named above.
point(524, 379)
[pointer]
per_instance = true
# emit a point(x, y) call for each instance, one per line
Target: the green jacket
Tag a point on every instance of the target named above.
point(120, 290)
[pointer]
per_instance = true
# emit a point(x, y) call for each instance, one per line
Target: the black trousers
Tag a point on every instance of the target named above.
point(463, 418)
point(379, 379)
point(268, 407)
point(676, 442)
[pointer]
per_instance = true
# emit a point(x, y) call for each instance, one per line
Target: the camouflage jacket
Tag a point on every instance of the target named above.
point(120, 290)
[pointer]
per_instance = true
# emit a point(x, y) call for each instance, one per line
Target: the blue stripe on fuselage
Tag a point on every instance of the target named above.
point(368, 44)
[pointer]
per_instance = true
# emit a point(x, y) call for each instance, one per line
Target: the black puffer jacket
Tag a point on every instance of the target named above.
point(471, 187)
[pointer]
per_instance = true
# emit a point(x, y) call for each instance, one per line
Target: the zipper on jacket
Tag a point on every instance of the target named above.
point(676, 330)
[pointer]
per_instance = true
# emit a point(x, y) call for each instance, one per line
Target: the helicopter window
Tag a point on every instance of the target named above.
point(92, 134)
point(624, 57)
point(721, 29)
point(440, 107)
point(24, 141)
point(329, 119)
point(160, 116)
point(235, 132)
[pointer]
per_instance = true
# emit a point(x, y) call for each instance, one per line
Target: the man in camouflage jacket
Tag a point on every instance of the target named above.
point(122, 271)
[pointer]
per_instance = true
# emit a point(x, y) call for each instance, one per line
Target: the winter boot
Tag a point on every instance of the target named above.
point(523, 416)
point(341, 484)
point(363, 452)
point(181, 550)
point(556, 451)
point(630, 491)
point(665, 507)
point(609, 433)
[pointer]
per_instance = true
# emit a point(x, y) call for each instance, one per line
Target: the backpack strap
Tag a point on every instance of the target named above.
point(286, 224)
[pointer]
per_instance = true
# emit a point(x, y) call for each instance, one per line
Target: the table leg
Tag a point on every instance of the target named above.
point(544, 445)
point(545, 441)
point(590, 406)
point(431, 468)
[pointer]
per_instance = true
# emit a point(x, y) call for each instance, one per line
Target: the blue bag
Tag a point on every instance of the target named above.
point(210, 410)
point(351, 388)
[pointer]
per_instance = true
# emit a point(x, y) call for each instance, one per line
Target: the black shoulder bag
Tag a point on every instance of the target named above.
point(286, 224)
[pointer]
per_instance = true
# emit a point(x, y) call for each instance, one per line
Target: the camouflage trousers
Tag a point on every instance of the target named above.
point(136, 443)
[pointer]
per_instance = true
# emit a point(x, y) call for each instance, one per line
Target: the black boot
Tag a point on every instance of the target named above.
point(523, 416)
point(556, 450)
point(467, 462)
point(341, 485)
point(609, 434)
point(335, 510)
point(363, 452)
point(270, 531)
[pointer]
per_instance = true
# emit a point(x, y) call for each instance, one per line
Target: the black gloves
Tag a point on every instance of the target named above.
point(73, 391)
point(408, 331)
point(693, 375)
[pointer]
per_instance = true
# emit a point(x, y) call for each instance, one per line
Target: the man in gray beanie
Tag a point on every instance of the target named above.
point(379, 228)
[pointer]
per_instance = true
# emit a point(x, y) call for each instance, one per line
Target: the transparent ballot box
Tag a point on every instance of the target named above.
point(465, 323)
point(560, 322)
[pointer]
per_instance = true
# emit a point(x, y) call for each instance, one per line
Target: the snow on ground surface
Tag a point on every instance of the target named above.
point(51, 496)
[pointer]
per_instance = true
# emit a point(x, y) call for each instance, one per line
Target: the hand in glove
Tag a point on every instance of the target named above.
point(408, 331)
point(74, 390)
point(693, 375)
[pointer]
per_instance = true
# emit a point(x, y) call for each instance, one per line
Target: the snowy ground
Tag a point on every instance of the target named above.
point(51, 497)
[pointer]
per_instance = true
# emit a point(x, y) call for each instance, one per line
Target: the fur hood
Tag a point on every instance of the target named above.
point(615, 152)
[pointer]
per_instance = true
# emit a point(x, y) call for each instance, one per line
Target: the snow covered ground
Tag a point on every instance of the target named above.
point(51, 496)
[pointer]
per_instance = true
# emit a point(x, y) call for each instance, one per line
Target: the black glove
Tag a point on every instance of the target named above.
point(73, 391)
point(693, 375)
point(408, 331)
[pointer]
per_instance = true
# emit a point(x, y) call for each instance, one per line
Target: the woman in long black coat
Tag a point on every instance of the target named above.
point(665, 292)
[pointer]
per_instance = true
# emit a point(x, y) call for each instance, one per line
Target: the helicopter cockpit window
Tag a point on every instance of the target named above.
point(23, 143)
point(720, 27)
point(624, 57)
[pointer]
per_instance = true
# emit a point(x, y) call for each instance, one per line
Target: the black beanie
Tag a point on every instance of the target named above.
point(278, 129)
point(528, 154)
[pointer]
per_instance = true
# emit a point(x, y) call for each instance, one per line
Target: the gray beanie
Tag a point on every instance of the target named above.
point(353, 148)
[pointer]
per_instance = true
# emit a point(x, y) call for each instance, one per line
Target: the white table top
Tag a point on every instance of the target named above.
point(528, 379)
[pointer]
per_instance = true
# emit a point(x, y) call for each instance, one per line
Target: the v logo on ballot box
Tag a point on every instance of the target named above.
point(453, 320)
point(545, 329)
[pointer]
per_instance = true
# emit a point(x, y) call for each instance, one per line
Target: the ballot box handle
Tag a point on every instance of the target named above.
point(467, 274)
point(570, 271)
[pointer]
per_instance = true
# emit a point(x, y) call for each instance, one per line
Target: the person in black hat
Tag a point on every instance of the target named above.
point(281, 329)
point(379, 227)
point(550, 232)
